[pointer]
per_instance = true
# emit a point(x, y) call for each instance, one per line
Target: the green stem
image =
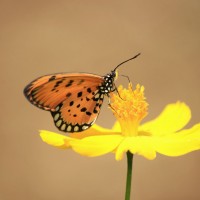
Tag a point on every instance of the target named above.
point(129, 175)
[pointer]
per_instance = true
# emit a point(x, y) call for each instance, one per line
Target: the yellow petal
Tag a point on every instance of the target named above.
point(173, 118)
point(99, 128)
point(93, 131)
point(180, 143)
point(141, 145)
point(54, 139)
point(96, 145)
point(116, 127)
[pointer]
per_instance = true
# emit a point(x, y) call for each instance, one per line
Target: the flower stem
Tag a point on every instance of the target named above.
point(129, 175)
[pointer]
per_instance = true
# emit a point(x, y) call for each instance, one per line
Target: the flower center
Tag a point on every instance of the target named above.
point(129, 107)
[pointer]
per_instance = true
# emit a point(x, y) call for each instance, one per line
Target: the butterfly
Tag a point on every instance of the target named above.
point(74, 99)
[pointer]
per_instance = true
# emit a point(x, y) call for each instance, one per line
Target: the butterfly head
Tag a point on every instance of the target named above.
point(108, 84)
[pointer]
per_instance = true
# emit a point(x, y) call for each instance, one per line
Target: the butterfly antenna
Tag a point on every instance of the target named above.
point(126, 61)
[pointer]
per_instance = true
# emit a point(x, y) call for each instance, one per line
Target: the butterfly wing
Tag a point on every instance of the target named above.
point(73, 99)
point(78, 115)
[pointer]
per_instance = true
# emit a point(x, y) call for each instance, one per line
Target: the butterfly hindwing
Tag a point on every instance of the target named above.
point(79, 115)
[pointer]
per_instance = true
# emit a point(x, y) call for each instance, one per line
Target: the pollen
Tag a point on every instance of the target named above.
point(129, 107)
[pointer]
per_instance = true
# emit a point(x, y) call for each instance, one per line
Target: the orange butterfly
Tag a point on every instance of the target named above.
point(73, 99)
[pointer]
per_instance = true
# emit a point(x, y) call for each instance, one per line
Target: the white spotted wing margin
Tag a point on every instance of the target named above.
point(77, 117)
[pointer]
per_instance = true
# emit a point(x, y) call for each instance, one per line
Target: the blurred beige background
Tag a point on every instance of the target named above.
point(42, 37)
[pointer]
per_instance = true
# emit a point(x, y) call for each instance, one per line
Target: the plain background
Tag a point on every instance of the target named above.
point(42, 37)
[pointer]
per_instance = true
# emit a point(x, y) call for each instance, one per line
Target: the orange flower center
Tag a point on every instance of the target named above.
point(129, 107)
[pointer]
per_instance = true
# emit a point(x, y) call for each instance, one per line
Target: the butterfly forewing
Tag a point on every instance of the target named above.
point(49, 91)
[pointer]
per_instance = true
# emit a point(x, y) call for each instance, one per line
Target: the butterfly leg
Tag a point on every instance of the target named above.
point(109, 104)
point(115, 89)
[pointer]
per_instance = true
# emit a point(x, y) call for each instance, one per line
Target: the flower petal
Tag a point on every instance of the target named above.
point(55, 139)
point(96, 145)
point(116, 127)
point(141, 145)
point(180, 143)
point(173, 118)
point(93, 131)
point(99, 128)
point(171, 145)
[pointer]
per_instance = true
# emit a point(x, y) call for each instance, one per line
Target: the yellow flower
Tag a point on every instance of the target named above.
point(162, 135)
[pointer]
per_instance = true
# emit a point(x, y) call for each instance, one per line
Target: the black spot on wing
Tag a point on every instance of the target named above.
point(95, 111)
point(79, 94)
point(89, 90)
point(56, 85)
point(69, 83)
point(68, 94)
point(71, 103)
point(83, 109)
point(88, 113)
point(52, 78)
point(80, 82)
